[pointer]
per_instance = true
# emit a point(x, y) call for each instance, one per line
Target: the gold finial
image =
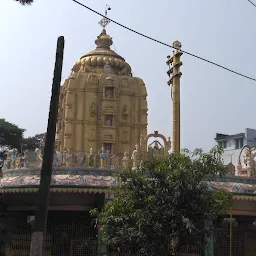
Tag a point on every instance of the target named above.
point(105, 21)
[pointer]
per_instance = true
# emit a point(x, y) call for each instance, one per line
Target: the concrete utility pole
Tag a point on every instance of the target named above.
point(37, 240)
point(174, 73)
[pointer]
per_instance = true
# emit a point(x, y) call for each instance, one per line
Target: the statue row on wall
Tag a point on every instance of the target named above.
point(100, 159)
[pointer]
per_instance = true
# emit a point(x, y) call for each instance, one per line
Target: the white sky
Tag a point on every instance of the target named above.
point(212, 100)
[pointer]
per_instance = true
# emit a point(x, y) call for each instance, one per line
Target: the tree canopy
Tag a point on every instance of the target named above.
point(34, 142)
point(164, 205)
point(10, 134)
point(25, 2)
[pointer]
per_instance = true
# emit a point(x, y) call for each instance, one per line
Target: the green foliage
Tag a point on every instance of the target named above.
point(164, 204)
point(32, 143)
point(25, 2)
point(10, 134)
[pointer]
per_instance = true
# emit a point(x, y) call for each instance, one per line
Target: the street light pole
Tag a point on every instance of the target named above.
point(37, 240)
point(174, 64)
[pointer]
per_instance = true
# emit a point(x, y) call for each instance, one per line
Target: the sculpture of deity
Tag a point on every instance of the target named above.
point(57, 159)
point(103, 158)
point(108, 120)
point(249, 162)
point(168, 144)
point(18, 161)
point(90, 158)
point(93, 109)
point(125, 160)
point(39, 155)
point(7, 160)
point(68, 158)
point(125, 110)
point(25, 159)
point(109, 92)
point(142, 143)
point(79, 159)
point(136, 157)
point(14, 152)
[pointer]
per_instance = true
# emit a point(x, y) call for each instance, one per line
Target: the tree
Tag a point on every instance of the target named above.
point(34, 142)
point(10, 134)
point(25, 2)
point(164, 205)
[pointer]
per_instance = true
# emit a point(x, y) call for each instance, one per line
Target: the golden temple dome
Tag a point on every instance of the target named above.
point(103, 59)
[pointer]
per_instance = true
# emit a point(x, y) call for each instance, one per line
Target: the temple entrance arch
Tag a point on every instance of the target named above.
point(155, 147)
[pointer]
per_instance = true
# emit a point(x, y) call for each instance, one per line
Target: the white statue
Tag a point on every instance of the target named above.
point(125, 160)
point(57, 159)
point(14, 155)
point(39, 155)
point(25, 159)
point(136, 157)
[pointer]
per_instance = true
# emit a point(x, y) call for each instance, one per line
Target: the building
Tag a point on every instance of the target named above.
point(232, 144)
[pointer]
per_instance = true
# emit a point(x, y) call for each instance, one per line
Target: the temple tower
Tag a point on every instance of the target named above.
point(101, 104)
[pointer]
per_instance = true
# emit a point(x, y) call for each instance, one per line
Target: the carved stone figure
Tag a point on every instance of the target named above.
point(7, 160)
point(143, 145)
point(109, 92)
point(125, 110)
point(68, 158)
point(57, 159)
point(39, 155)
point(79, 159)
point(103, 158)
point(250, 163)
point(14, 153)
point(156, 150)
point(91, 156)
point(125, 160)
point(25, 159)
point(93, 108)
point(168, 144)
point(18, 162)
point(136, 157)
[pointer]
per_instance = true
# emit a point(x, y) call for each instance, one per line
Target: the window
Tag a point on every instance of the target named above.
point(109, 92)
point(239, 143)
point(108, 120)
point(108, 147)
point(224, 144)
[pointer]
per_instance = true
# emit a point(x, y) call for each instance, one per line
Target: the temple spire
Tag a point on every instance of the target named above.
point(105, 21)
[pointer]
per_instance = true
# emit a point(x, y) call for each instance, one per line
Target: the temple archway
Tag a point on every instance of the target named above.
point(155, 147)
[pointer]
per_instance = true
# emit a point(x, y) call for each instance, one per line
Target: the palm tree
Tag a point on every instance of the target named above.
point(25, 2)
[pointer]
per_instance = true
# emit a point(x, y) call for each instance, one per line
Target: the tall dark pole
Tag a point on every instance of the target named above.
point(37, 240)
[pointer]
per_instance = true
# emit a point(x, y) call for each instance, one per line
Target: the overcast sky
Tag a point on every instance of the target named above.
point(212, 100)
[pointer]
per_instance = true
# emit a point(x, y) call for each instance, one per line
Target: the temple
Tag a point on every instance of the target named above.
point(102, 104)
point(102, 127)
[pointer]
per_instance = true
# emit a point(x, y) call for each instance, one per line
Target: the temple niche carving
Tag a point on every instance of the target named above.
point(155, 150)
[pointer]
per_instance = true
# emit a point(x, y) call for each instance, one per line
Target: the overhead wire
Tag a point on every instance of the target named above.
point(252, 3)
point(165, 44)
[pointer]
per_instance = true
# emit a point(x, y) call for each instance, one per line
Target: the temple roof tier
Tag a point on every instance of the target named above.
point(103, 59)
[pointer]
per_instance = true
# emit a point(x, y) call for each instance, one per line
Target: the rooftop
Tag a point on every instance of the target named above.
point(220, 136)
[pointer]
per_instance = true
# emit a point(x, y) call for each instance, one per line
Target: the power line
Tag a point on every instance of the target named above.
point(252, 3)
point(162, 43)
